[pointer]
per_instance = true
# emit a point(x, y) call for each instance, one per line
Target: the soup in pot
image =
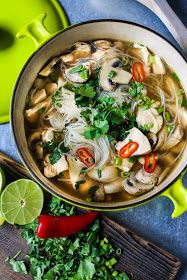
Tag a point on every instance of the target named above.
point(105, 120)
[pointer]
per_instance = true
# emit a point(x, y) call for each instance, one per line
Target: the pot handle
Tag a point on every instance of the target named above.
point(36, 31)
point(178, 194)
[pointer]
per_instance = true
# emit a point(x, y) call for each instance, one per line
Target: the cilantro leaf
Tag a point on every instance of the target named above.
point(81, 70)
point(135, 89)
point(86, 269)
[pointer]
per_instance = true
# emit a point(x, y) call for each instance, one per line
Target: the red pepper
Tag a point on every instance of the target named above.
point(138, 72)
point(150, 162)
point(61, 226)
point(127, 150)
point(85, 157)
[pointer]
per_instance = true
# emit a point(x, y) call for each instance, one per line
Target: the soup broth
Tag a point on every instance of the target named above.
point(105, 120)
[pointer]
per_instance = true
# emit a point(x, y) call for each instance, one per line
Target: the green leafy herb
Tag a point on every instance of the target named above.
point(17, 266)
point(146, 127)
point(170, 128)
point(92, 190)
point(133, 159)
point(176, 77)
point(81, 70)
point(84, 256)
point(135, 89)
point(57, 98)
point(56, 150)
point(85, 90)
point(184, 102)
point(112, 74)
point(78, 183)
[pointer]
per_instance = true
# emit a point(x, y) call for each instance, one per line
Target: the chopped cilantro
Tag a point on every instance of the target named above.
point(112, 74)
point(78, 183)
point(184, 102)
point(81, 70)
point(170, 128)
point(176, 77)
point(83, 90)
point(135, 89)
point(133, 159)
point(56, 150)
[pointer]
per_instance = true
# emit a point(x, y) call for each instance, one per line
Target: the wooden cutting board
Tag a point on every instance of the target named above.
point(140, 258)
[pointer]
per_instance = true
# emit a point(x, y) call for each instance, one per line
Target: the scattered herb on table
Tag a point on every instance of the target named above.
point(84, 256)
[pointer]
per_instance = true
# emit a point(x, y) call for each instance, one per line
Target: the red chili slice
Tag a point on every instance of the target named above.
point(138, 72)
point(127, 150)
point(150, 162)
point(85, 157)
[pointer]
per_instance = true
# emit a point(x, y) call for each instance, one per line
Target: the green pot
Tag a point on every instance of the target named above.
point(172, 187)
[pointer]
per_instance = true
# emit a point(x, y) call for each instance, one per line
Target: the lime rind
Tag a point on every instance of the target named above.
point(21, 202)
point(2, 179)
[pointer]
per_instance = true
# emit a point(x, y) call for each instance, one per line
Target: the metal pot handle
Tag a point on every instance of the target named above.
point(178, 194)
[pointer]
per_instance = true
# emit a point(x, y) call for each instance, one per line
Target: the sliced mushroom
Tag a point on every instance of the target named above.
point(133, 186)
point(152, 139)
point(120, 76)
point(33, 114)
point(39, 150)
point(39, 83)
point(113, 187)
point(77, 77)
point(52, 170)
point(97, 54)
point(158, 66)
point(35, 136)
point(137, 136)
point(148, 178)
point(108, 174)
point(173, 139)
point(38, 97)
point(47, 135)
point(141, 53)
point(50, 87)
point(67, 58)
point(119, 45)
point(150, 118)
point(161, 136)
point(49, 68)
point(103, 44)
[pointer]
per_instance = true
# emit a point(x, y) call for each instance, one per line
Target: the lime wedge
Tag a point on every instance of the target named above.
point(2, 179)
point(21, 202)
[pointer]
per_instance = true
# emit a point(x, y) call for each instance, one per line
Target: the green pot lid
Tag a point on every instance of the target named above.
point(35, 21)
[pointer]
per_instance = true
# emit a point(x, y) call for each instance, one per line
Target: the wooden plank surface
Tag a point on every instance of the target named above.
point(140, 258)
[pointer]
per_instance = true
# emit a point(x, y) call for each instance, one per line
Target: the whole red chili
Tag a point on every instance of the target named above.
point(61, 226)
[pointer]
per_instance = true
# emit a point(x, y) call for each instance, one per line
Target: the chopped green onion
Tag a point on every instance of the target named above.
point(160, 109)
point(170, 128)
point(112, 261)
point(118, 251)
point(125, 174)
point(115, 273)
point(99, 173)
point(152, 59)
point(118, 161)
point(112, 74)
point(167, 116)
point(176, 77)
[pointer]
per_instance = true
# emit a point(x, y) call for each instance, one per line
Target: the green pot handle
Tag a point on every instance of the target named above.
point(178, 194)
point(36, 31)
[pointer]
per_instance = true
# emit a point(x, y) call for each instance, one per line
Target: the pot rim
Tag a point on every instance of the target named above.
point(35, 177)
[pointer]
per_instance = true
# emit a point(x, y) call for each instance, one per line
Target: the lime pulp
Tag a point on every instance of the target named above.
point(21, 202)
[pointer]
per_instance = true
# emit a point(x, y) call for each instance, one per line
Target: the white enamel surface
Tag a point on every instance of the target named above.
point(91, 31)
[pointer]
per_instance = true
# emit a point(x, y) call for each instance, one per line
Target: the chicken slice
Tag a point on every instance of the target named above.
point(137, 136)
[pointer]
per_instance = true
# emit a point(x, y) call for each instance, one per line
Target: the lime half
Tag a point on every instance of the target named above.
point(21, 202)
point(2, 179)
